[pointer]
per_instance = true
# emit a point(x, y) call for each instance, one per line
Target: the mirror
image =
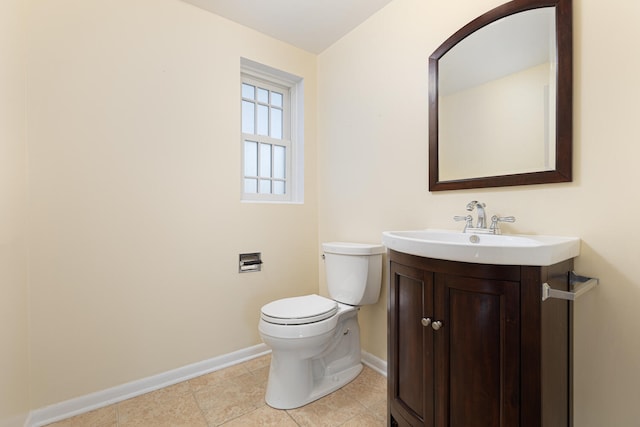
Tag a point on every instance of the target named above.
point(500, 99)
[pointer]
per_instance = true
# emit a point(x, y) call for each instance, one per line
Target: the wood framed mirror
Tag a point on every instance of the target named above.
point(501, 99)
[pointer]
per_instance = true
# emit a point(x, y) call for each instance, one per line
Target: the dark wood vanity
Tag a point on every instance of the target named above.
point(474, 345)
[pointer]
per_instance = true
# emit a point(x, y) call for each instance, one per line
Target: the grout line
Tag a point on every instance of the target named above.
point(193, 394)
point(292, 419)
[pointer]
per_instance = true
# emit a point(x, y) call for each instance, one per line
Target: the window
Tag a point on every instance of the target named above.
point(271, 138)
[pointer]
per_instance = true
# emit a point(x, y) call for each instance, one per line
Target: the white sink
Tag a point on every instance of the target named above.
point(505, 249)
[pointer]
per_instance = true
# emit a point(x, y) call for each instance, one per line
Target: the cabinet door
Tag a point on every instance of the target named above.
point(410, 346)
point(477, 360)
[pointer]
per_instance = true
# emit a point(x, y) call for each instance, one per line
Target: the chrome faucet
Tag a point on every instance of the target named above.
point(481, 214)
point(481, 226)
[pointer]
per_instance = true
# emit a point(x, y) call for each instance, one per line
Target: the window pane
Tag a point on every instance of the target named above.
point(279, 159)
point(263, 95)
point(276, 99)
point(263, 120)
point(265, 186)
point(267, 124)
point(248, 91)
point(248, 117)
point(278, 187)
point(265, 161)
point(250, 185)
point(276, 123)
point(250, 158)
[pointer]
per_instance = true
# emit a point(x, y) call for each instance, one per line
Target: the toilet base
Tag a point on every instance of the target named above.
point(325, 386)
point(306, 369)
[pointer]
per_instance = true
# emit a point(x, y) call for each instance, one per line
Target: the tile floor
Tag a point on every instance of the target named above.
point(234, 397)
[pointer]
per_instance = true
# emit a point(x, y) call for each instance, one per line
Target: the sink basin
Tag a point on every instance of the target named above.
point(505, 249)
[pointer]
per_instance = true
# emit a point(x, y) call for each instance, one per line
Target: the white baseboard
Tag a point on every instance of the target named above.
point(375, 363)
point(89, 402)
point(80, 405)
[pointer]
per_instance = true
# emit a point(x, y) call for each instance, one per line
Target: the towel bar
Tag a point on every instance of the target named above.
point(579, 286)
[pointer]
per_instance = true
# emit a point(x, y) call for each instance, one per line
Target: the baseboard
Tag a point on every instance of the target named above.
point(375, 363)
point(89, 402)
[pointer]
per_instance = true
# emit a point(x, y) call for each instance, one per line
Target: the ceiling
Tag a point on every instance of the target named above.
point(312, 25)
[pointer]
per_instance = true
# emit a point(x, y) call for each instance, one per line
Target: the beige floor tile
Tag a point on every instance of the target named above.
point(331, 410)
point(230, 398)
point(155, 398)
point(258, 363)
point(365, 420)
point(216, 376)
point(379, 409)
point(261, 374)
point(170, 406)
point(264, 416)
point(368, 388)
point(103, 417)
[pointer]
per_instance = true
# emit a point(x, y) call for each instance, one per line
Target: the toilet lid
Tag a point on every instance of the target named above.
point(299, 310)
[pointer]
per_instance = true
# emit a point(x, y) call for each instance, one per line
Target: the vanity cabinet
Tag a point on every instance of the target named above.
point(474, 345)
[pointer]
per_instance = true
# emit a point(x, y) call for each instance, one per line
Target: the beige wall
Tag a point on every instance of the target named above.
point(136, 219)
point(14, 380)
point(372, 139)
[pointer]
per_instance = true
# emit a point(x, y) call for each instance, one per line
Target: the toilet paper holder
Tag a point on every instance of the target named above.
point(250, 262)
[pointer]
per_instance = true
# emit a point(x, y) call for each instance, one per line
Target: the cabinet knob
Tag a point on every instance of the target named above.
point(436, 325)
point(425, 321)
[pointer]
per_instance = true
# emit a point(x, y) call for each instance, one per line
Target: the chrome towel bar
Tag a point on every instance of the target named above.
point(579, 286)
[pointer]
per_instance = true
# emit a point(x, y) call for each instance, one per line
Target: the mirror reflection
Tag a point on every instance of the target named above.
point(496, 99)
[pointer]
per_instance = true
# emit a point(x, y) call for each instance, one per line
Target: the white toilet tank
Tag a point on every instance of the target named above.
point(354, 272)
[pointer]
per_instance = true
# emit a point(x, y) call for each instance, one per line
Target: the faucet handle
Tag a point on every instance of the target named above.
point(496, 219)
point(467, 218)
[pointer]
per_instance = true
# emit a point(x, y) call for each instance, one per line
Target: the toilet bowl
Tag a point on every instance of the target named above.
point(315, 340)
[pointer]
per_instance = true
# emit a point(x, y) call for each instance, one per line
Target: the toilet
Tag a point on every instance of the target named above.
point(315, 341)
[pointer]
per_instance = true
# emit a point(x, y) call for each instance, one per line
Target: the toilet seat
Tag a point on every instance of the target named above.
point(299, 310)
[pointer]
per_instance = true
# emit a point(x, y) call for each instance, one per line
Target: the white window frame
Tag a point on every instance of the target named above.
point(255, 73)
